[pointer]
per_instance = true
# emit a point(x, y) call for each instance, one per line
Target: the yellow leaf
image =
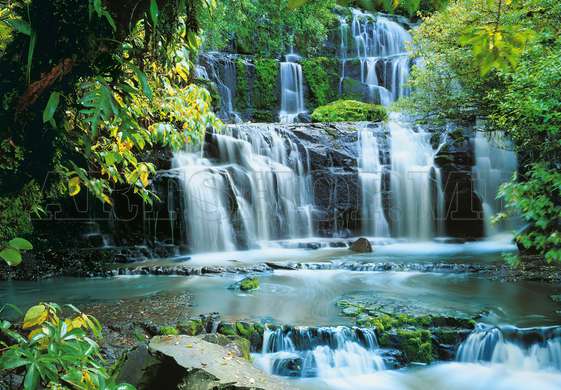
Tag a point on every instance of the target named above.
point(74, 186)
point(34, 332)
point(107, 199)
point(35, 315)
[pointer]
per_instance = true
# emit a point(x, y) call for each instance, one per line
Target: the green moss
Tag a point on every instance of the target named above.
point(416, 345)
point(245, 329)
point(169, 331)
point(249, 284)
point(349, 111)
point(322, 77)
point(266, 84)
point(242, 86)
point(352, 90)
point(264, 116)
point(191, 327)
point(227, 329)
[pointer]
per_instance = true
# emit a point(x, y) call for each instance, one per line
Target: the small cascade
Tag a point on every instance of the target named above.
point(370, 171)
point(380, 45)
point(528, 349)
point(416, 187)
point(256, 187)
point(327, 352)
point(221, 69)
point(495, 163)
point(292, 89)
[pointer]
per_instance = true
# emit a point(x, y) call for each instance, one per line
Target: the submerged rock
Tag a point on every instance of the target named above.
point(362, 245)
point(246, 284)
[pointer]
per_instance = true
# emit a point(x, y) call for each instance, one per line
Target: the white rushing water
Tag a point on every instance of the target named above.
point(257, 188)
point(416, 189)
point(495, 163)
point(292, 89)
point(380, 45)
point(325, 352)
point(370, 172)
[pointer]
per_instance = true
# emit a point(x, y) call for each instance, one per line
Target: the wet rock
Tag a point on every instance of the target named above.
point(362, 245)
point(280, 266)
point(227, 328)
point(237, 345)
point(191, 327)
point(246, 284)
point(172, 362)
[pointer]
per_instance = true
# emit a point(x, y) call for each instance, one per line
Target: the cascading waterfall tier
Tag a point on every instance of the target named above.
point(495, 163)
point(380, 46)
point(417, 198)
point(324, 352)
point(519, 348)
point(254, 187)
point(221, 69)
point(292, 89)
point(374, 221)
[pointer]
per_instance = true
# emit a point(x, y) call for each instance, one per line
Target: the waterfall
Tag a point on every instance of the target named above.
point(495, 163)
point(256, 187)
point(416, 188)
point(529, 349)
point(380, 45)
point(325, 352)
point(292, 89)
point(221, 69)
point(370, 172)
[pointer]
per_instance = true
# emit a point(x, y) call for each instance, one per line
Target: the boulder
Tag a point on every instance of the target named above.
point(362, 245)
point(186, 362)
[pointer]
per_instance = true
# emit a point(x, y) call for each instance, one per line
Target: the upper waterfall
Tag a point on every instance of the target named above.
point(292, 89)
point(380, 46)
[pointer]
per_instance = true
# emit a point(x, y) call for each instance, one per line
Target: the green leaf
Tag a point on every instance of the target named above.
point(19, 25)
point(30, 53)
point(143, 81)
point(51, 107)
point(31, 378)
point(154, 12)
point(21, 244)
point(11, 256)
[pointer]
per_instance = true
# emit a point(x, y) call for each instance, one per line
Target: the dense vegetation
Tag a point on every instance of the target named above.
point(349, 111)
point(87, 108)
point(501, 60)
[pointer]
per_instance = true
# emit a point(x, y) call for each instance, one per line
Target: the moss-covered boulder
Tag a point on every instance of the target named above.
point(169, 331)
point(191, 327)
point(227, 328)
point(349, 111)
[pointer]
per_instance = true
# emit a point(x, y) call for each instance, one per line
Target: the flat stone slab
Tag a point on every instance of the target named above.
point(230, 371)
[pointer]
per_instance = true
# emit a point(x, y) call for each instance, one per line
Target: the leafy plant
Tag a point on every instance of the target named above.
point(56, 352)
point(11, 253)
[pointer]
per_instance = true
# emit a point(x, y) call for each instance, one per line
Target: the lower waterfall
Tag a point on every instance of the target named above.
point(255, 187)
point(531, 349)
point(495, 164)
point(416, 188)
point(320, 352)
point(370, 172)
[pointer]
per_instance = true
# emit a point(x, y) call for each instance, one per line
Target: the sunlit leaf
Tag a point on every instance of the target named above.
point(74, 186)
point(35, 315)
point(20, 243)
point(11, 256)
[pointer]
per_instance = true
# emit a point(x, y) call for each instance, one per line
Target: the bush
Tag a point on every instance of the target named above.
point(53, 352)
point(349, 111)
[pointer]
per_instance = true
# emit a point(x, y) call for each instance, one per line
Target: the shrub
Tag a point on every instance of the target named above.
point(349, 111)
point(53, 352)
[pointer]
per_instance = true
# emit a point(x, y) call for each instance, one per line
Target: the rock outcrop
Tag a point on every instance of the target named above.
point(186, 362)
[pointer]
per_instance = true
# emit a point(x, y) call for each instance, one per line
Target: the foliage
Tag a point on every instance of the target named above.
point(17, 210)
point(56, 352)
point(88, 90)
point(242, 85)
point(322, 76)
point(500, 59)
point(266, 83)
point(349, 111)
point(11, 253)
point(267, 28)
point(537, 199)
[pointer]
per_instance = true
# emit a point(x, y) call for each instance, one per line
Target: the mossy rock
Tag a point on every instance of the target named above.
point(169, 331)
point(321, 74)
point(249, 284)
point(349, 111)
point(266, 83)
point(236, 344)
point(416, 345)
point(191, 327)
point(227, 328)
point(245, 329)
